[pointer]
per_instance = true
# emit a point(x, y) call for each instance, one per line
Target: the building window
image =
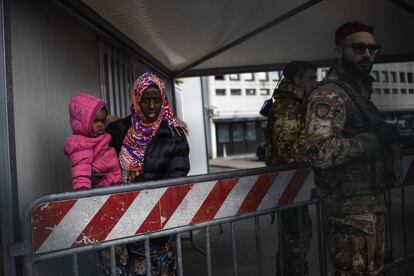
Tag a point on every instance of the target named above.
point(275, 75)
point(403, 91)
point(377, 91)
point(411, 91)
point(235, 92)
point(384, 76)
point(220, 92)
point(264, 91)
point(238, 135)
point(375, 74)
point(324, 73)
point(386, 91)
point(219, 77)
point(402, 77)
point(410, 77)
point(250, 134)
point(223, 133)
point(393, 76)
point(250, 92)
point(394, 91)
point(248, 76)
point(234, 77)
point(262, 76)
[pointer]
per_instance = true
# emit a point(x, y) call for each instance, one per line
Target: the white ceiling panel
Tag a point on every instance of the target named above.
point(179, 33)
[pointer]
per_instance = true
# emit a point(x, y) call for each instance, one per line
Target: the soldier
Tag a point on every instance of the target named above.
point(350, 149)
point(284, 144)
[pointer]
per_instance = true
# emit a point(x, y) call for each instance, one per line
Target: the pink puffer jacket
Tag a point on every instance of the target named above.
point(86, 152)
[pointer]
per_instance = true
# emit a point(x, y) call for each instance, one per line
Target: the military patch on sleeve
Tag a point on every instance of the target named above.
point(322, 110)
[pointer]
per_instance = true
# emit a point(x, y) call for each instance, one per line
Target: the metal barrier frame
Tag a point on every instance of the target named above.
point(406, 255)
point(25, 249)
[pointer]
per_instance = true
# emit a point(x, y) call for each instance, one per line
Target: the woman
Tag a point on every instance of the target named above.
point(151, 144)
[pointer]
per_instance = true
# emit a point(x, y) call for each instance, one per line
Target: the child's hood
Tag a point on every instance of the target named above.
point(82, 110)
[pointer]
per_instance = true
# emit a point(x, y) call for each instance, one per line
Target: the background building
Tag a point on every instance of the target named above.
point(232, 103)
point(394, 94)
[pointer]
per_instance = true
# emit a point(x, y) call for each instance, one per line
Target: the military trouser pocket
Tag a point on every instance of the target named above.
point(354, 251)
point(340, 249)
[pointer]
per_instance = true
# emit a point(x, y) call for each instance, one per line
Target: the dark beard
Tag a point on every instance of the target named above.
point(360, 69)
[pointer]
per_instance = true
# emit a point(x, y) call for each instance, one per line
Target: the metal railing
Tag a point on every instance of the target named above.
point(31, 254)
point(407, 256)
point(407, 183)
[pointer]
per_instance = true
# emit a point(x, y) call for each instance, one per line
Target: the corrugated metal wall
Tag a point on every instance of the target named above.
point(117, 79)
point(118, 72)
point(54, 57)
point(139, 68)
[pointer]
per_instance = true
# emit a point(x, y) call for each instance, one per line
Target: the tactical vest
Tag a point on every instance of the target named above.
point(367, 174)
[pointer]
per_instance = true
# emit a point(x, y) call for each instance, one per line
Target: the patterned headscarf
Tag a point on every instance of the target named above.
point(142, 131)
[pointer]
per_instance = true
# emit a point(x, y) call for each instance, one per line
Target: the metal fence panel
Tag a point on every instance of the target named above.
point(76, 222)
point(67, 224)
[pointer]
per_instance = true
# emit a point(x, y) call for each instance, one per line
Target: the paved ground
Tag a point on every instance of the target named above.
point(237, 162)
point(195, 263)
point(222, 259)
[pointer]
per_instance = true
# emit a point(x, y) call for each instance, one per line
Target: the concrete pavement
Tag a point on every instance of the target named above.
point(237, 162)
point(222, 261)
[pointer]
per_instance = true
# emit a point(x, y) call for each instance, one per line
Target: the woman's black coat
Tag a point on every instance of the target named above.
point(166, 155)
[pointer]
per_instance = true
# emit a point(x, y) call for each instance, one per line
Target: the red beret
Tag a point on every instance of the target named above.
point(350, 28)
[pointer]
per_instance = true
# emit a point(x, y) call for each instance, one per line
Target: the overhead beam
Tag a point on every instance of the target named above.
point(279, 66)
point(404, 5)
point(249, 35)
point(248, 69)
point(233, 70)
point(395, 58)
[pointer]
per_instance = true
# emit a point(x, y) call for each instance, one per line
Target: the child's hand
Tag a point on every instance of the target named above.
point(96, 178)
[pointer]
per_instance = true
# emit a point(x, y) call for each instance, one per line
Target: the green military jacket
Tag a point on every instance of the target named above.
point(344, 151)
point(284, 133)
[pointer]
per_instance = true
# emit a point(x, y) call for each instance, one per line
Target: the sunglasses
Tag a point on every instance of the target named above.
point(359, 48)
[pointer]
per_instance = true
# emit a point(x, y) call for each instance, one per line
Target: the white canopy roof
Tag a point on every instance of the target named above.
point(183, 34)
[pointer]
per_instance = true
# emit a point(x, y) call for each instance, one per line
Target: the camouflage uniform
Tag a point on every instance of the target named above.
point(285, 126)
point(285, 144)
point(350, 171)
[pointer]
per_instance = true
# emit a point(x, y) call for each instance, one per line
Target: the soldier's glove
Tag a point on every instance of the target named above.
point(387, 134)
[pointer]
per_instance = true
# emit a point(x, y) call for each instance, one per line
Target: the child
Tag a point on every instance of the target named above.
point(88, 147)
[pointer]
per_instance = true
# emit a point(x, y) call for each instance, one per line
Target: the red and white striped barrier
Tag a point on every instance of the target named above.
point(76, 222)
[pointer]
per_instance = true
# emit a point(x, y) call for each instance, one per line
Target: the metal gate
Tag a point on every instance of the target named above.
point(71, 223)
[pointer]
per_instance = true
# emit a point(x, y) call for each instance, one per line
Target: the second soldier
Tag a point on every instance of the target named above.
point(285, 145)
